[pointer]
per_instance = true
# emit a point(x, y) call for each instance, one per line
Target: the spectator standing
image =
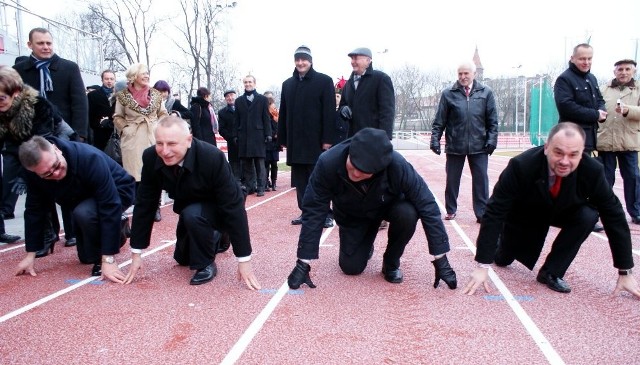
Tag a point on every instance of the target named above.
point(272, 155)
point(226, 119)
point(578, 98)
point(101, 110)
point(172, 104)
point(252, 132)
point(204, 124)
point(307, 121)
point(468, 117)
point(368, 99)
point(138, 108)
point(618, 138)
point(342, 125)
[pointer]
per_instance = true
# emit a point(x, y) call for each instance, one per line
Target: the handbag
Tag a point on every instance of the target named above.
point(112, 149)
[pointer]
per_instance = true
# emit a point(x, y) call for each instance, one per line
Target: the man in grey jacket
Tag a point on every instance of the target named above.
point(467, 112)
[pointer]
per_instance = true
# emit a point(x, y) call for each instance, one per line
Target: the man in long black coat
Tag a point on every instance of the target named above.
point(226, 117)
point(205, 195)
point(368, 99)
point(101, 111)
point(555, 185)
point(252, 131)
point(306, 124)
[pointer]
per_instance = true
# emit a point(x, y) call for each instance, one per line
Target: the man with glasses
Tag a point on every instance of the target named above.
point(91, 185)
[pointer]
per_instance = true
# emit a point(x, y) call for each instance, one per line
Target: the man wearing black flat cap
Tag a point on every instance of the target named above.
point(225, 127)
point(368, 182)
point(368, 99)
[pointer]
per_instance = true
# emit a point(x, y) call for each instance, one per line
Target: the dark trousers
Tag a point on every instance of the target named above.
point(357, 236)
point(271, 171)
point(478, 164)
point(197, 238)
point(300, 174)
point(10, 169)
point(627, 161)
point(524, 240)
point(234, 160)
point(253, 173)
point(89, 235)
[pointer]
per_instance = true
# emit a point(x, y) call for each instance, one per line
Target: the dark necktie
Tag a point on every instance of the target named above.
point(555, 188)
point(466, 90)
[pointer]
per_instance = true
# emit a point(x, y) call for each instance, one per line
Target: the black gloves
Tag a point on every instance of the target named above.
point(345, 112)
point(300, 275)
point(489, 148)
point(436, 148)
point(268, 139)
point(19, 186)
point(444, 272)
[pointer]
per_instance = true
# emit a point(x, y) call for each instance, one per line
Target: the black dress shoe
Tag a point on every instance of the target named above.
point(9, 238)
point(204, 275)
point(70, 242)
point(158, 216)
point(96, 270)
point(553, 282)
point(297, 221)
point(392, 276)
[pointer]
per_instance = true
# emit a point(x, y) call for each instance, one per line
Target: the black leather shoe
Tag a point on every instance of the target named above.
point(392, 276)
point(553, 282)
point(48, 246)
point(204, 275)
point(9, 238)
point(158, 216)
point(70, 242)
point(598, 227)
point(260, 193)
point(297, 221)
point(96, 270)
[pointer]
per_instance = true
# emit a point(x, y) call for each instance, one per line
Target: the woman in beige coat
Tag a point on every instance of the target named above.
point(138, 108)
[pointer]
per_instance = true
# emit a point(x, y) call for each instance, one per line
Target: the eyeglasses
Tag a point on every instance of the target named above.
point(54, 168)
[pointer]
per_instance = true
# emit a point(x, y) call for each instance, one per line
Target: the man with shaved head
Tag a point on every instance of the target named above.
point(468, 117)
point(206, 196)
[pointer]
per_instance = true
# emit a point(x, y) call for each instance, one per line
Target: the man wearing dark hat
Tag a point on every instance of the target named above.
point(618, 140)
point(367, 182)
point(225, 127)
point(368, 99)
point(306, 124)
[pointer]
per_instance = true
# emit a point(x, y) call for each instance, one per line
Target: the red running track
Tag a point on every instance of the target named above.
point(63, 316)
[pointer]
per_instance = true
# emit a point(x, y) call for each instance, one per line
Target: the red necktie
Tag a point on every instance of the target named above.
point(555, 188)
point(466, 90)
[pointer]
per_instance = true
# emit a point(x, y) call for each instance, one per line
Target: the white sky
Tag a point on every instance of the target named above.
point(538, 35)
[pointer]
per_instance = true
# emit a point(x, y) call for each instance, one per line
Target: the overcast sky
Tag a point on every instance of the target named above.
point(536, 34)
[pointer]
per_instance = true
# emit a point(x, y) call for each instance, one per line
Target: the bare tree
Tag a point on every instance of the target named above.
point(131, 27)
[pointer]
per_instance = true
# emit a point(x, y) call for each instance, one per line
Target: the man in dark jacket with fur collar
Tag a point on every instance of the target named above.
point(369, 182)
point(306, 120)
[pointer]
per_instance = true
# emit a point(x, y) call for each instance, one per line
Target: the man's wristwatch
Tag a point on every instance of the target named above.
point(625, 272)
point(108, 259)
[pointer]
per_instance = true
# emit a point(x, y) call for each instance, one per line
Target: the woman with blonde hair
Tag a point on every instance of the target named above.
point(138, 108)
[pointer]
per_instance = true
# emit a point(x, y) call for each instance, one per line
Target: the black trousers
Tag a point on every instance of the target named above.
point(88, 239)
point(10, 169)
point(524, 239)
point(253, 173)
point(300, 174)
point(357, 236)
point(478, 164)
point(197, 237)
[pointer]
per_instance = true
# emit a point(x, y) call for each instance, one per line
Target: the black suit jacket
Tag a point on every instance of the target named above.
point(68, 94)
point(522, 192)
point(205, 177)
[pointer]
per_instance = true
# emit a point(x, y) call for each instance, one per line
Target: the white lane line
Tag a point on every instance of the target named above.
point(549, 352)
point(12, 248)
point(239, 347)
point(73, 287)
